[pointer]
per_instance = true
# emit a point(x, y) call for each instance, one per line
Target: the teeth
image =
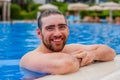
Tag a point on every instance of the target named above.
point(57, 40)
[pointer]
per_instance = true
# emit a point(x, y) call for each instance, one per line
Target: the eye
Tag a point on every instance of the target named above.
point(62, 27)
point(50, 28)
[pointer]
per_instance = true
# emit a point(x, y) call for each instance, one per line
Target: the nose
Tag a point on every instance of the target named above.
point(57, 33)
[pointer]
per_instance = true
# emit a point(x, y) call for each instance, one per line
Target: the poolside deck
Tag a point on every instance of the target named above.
point(98, 71)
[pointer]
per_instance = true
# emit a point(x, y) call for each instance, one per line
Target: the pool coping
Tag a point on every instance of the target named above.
point(98, 71)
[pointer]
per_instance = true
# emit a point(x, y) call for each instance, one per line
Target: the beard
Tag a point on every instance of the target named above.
point(54, 47)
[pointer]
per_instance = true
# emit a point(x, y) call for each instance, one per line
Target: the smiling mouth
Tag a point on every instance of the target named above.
point(57, 41)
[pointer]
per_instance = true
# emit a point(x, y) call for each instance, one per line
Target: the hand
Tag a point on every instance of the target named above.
point(75, 54)
point(87, 57)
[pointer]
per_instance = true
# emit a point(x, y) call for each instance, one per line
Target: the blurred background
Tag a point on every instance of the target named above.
point(29, 9)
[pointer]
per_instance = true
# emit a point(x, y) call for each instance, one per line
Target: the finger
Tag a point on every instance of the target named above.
point(83, 62)
point(81, 55)
point(79, 60)
point(86, 61)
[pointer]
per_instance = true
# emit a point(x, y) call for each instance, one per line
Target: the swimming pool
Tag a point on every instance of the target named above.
point(18, 38)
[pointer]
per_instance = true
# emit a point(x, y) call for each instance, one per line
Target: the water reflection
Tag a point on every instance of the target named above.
point(31, 75)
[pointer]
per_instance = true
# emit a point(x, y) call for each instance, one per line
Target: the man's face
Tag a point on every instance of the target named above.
point(54, 32)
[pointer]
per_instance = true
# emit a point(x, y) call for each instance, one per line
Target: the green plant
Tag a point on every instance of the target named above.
point(15, 11)
point(30, 15)
point(62, 6)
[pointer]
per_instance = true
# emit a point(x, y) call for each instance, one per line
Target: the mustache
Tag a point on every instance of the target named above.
point(58, 36)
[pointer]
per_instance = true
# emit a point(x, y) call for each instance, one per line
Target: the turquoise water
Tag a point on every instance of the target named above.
point(18, 38)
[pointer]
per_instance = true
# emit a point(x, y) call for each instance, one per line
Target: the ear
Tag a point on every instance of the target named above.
point(38, 31)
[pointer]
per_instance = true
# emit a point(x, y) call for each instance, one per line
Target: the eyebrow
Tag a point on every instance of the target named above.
point(54, 25)
point(62, 24)
point(50, 26)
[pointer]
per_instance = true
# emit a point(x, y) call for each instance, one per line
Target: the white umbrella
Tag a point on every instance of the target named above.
point(95, 8)
point(110, 6)
point(47, 6)
point(78, 6)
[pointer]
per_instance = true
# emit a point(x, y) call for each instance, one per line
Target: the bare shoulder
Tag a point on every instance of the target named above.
point(29, 54)
point(73, 47)
point(28, 57)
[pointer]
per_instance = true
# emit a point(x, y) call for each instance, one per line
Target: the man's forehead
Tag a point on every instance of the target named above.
point(52, 19)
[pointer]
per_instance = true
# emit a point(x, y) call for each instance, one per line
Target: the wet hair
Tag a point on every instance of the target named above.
point(46, 13)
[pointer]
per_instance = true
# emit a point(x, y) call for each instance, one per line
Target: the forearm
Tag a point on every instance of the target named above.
point(64, 65)
point(55, 63)
point(104, 53)
point(94, 52)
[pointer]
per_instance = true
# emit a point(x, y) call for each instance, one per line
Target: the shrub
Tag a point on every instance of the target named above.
point(15, 11)
point(30, 15)
point(62, 6)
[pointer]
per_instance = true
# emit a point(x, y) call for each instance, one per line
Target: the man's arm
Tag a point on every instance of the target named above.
point(91, 53)
point(54, 63)
point(104, 53)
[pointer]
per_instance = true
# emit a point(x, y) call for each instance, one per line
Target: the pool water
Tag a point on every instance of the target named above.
point(18, 38)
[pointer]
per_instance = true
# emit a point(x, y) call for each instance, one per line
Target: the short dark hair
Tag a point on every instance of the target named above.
point(46, 13)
